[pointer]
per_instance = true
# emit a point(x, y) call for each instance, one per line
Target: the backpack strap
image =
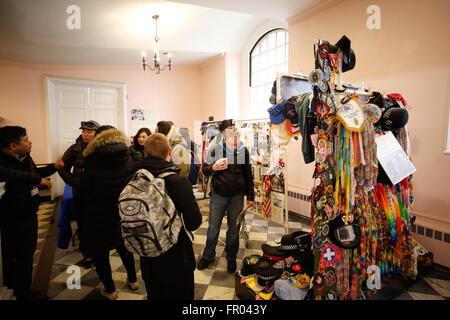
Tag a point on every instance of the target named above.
point(189, 234)
point(166, 174)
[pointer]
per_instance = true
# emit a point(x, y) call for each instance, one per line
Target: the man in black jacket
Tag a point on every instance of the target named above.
point(229, 165)
point(18, 207)
point(171, 275)
point(73, 158)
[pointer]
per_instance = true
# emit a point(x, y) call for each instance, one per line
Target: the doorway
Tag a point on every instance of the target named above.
point(70, 101)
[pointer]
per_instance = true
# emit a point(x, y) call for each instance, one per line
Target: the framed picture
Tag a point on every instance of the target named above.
point(277, 183)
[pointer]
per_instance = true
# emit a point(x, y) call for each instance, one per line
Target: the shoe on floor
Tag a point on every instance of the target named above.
point(110, 295)
point(203, 263)
point(231, 266)
point(87, 263)
point(132, 285)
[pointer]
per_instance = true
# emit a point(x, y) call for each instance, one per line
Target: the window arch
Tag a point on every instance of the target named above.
point(268, 56)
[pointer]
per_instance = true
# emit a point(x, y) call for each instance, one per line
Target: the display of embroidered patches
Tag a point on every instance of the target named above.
point(330, 255)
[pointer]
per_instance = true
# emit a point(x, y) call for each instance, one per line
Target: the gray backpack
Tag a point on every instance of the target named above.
point(150, 224)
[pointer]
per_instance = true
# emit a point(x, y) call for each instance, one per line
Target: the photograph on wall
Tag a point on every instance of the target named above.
point(142, 117)
point(137, 115)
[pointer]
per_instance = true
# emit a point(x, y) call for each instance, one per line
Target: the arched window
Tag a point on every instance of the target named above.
point(268, 56)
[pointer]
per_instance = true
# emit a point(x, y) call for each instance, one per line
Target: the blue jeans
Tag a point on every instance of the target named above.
point(217, 207)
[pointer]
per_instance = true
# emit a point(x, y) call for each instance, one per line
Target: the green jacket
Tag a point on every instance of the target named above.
point(302, 109)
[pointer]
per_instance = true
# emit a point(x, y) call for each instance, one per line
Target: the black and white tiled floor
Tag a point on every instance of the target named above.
point(214, 282)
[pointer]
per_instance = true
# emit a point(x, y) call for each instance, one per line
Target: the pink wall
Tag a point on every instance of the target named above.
point(409, 56)
point(213, 88)
point(175, 94)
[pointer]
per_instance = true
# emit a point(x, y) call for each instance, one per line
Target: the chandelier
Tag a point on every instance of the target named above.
point(156, 58)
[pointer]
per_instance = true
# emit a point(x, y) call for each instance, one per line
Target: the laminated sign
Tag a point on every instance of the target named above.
point(351, 115)
point(393, 158)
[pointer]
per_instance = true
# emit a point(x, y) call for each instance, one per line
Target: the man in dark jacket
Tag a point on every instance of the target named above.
point(73, 158)
point(229, 165)
point(18, 207)
point(171, 275)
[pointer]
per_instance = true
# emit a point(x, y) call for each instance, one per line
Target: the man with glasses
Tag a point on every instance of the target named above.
point(229, 165)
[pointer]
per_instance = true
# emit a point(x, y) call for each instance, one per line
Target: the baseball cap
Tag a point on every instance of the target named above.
point(89, 125)
point(276, 112)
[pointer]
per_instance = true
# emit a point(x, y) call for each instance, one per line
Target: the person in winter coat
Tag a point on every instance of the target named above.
point(171, 275)
point(229, 165)
point(107, 169)
point(19, 203)
point(181, 155)
point(137, 149)
point(73, 159)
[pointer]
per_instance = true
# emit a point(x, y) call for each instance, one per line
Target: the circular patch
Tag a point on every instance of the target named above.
point(330, 255)
point(330, 200)
point(323, 51)
point(317, 242)
point(318, 181)
point(325, 230)
point(315, 76)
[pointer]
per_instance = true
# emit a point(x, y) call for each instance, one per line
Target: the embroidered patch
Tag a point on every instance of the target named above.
point(330, 278)
point(330, 255)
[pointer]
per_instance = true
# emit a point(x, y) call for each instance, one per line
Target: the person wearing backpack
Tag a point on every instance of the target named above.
point(171, 274)
point(107, 169)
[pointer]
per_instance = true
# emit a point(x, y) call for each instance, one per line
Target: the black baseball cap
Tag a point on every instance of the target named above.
point(89, 125)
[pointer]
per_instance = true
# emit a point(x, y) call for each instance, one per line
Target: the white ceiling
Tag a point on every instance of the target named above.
point(117, 31)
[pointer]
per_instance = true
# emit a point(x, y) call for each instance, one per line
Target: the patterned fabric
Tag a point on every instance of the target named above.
point(150, 223)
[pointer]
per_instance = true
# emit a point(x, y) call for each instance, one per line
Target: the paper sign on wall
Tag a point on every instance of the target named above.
point(393, 158)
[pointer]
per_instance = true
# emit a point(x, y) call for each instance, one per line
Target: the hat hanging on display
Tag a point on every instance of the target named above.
point(378, 99)
point(90, 125)
point(279, 134)
point(344, 231)
point(393, 118)
point(289, 111)
point(398, 97)
point(276, 112)
point(348, 55)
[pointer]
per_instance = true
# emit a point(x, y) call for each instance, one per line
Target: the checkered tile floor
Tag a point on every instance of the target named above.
point(214, 282)
point(44, 214)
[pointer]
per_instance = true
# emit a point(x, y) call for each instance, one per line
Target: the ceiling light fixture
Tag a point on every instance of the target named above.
point(156, 58)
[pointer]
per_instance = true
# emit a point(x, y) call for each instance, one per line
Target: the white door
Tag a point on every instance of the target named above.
point(71, 101)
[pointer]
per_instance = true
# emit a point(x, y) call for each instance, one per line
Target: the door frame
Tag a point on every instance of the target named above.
point(52, 131)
